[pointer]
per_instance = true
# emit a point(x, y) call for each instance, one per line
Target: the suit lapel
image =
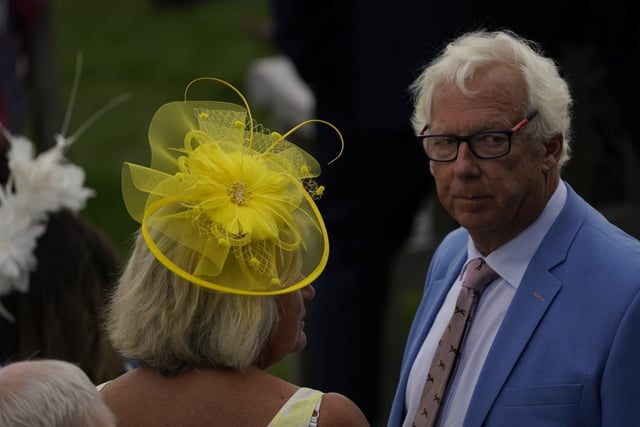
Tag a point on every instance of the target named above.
point(534, 296)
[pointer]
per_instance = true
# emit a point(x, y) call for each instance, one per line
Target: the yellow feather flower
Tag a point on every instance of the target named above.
point(240, 194)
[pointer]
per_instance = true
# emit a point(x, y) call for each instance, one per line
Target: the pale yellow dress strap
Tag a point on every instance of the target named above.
point(101, 386)
point(301, 410)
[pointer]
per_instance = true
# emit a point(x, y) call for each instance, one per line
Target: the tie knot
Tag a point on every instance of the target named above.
point(478, 275)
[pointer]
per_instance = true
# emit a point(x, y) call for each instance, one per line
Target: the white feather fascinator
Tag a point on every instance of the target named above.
point(38, 185)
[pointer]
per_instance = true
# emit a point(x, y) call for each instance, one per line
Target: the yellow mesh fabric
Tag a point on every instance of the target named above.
point(225, 204)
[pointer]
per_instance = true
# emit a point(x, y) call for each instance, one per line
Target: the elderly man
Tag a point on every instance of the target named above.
point(553, 340)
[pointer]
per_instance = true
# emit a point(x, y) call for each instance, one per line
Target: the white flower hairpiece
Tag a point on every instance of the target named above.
point(37, 186)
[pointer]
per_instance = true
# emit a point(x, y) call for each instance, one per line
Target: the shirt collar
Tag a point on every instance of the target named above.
point(511, 259)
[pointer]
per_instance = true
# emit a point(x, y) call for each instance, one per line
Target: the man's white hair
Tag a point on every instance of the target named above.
point(50, 393)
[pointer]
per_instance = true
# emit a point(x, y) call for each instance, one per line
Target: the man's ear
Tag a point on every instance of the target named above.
point(553, 151)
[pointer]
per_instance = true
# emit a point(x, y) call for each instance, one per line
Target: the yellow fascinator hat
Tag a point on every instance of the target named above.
point(226, 204)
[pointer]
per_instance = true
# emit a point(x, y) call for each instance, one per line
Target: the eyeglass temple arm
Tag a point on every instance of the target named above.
point(524, 121)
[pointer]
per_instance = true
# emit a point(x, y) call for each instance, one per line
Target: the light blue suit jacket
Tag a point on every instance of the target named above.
point(568, 351)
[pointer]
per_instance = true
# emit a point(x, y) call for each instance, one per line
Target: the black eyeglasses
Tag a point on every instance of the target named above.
point(484, 145)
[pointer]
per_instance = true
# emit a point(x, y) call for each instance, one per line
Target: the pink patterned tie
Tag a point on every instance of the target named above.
point(478, 275)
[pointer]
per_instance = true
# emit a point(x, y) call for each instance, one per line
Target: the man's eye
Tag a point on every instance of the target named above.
point(491, 138)
point(443, 142)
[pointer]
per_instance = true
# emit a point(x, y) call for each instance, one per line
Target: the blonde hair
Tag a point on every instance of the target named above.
point(163, 321)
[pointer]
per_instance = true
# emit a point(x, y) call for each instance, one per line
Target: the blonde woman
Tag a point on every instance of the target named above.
point(213, 294)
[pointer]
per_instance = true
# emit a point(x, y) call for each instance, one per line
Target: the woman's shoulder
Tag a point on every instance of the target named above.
point(337, 410)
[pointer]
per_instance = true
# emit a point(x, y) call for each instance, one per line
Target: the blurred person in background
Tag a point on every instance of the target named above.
point(60, 314)
point(50, 393)
point(29, 88)
point(56, 268)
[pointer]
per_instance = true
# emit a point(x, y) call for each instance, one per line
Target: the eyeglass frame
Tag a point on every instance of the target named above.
point(460, 139)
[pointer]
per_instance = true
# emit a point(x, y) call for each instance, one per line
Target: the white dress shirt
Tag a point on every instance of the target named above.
point(510, 261)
